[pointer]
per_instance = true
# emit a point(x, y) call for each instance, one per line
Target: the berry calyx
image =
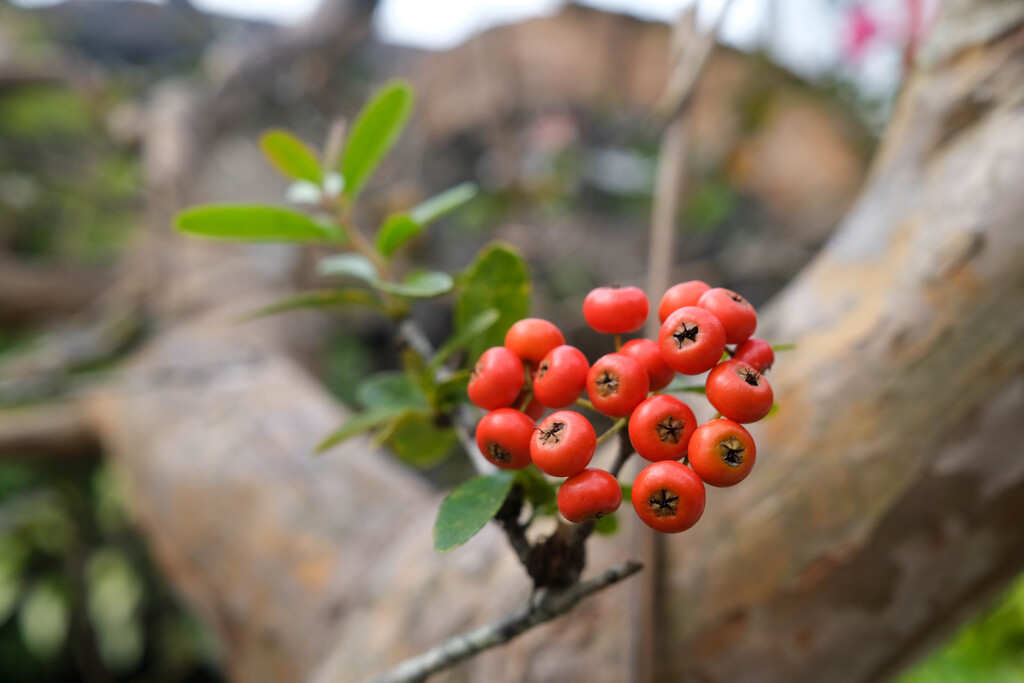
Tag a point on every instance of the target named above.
point(614, 310)
point(503, 436)
point(757, 352)
point(660, 428)
point(561, 376)
point(683, 294)
point(563, 444)
point(739, 392)
point(588, 495)
point(691, 340)
point(668, 496)
point(616, 384)
point(722, 453)
point(735, 313)
point(645, 352)
point(532, 338)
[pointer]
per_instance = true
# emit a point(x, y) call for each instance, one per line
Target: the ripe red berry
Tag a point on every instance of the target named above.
point(722, 452)
point(616, 384)
point(503, 436)
point(645, 352)
point(757, 352)
point(735, 313)
point(683, 294)
point(589, 495)
point(532, 338)
point(660, 428)
point(691, 340)
point(497, 379)
point(613, 310)
point(739, 392)
point(668, 496)
point(563, 444)
point(561, 376)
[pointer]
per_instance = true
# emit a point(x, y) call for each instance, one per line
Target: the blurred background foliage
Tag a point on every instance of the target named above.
point(80, 598)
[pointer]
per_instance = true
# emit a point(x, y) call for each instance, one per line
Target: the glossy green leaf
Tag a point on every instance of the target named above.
point(353, 265)
point(607, 525)
point(396, 231)
point(416, 439)
point(321, 298)
point(498, 279)
point(421, 284)
point(390, 390)
point(374, 133)
point(357, 424)
point(443, 203)
point(290, 155)
point(468, 508)
point(252, 223)
point(475, 327)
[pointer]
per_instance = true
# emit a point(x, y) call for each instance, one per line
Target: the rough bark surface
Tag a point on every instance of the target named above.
point(889, 490)
point(885, 507)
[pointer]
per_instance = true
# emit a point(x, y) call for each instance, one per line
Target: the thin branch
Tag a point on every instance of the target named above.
point(51, 431)
point(543, 606)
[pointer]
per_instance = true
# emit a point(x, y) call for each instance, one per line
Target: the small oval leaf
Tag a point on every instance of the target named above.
point(390, 389)
point(357, 424)
point(321, 298)
point(418, 441)
point(497, 278)
point(290, 155)
point(468, 508)
point(443, 203)
point(251, 223)
point(353, 265)
point(396, 231)
point(375, 131)
point(421, 284)
point(475, 327)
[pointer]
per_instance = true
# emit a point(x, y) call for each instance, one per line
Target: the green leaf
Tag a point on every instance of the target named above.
point(396, 231)
point(417, 440)
point(468, 508)
point(353, 265)
point(375, 132)
point(498, 279)
point(43, 620)
point(390, 390)
point(443, 203)
point(252, 223)
point(784, 347)
point(357, 424)
point(421, 284)
point(321, 298)
point(477, 326)
point(607, 525)
point(454, 388)
point(290, 155)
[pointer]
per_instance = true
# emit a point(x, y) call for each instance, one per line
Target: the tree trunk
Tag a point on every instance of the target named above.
point(884, 508)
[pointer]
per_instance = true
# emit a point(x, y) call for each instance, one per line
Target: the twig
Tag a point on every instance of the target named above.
point(543, 606)
point(50, 431)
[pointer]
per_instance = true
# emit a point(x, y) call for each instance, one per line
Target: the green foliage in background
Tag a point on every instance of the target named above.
point(989, 649)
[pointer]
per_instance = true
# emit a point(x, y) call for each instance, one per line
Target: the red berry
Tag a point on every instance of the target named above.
point(691, 340)
point(683, 294)
point(722, 452)
point(739, 392)
point(735, 313)
point(561, 376)
point(497, 379)
point(589, 495)
point(757, 352)
point(616, 384)
point(645, 352)
point(503, 436)
point(563, 444)
point(613, 310)
point(660, 428)
point(668, 496)
point(532, 338)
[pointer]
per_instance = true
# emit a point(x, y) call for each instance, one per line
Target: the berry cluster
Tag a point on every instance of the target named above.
point(703, 329)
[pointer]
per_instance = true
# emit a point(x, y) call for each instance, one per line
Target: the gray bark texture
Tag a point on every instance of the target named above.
point(884, 509)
